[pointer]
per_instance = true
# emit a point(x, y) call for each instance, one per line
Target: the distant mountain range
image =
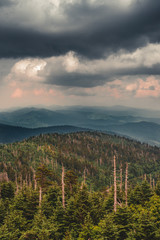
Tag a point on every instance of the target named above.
point(142, 125)
point(9, 134)
point(142, 131)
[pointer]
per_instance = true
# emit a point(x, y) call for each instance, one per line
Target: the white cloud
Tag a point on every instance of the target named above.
point(26, 70)
point(143, 57)
point(26, 79)
point(29, 71)
point(71, 62)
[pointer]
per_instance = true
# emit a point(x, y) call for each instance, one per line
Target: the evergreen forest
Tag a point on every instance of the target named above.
point(85, 186)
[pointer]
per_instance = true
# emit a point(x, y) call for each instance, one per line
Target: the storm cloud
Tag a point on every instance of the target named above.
point(92, 80)
point(78, 80)
point(6, 3)
point(72, 71)
point(78, 51)
point(91, 30)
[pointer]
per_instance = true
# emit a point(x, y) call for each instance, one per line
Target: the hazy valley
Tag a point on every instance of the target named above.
point(142, 125)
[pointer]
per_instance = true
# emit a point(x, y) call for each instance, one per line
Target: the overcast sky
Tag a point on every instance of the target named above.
point(80, 52)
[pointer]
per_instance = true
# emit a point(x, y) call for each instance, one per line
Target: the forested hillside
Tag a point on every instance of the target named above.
point(62, 187)
point(89, 151)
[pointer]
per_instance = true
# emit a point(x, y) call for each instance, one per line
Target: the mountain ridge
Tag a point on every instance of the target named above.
point(118, 120)
point(9, 134)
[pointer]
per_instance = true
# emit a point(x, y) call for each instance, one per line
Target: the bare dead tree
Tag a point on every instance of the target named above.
point(150, 181)
point(52, 164)
point(120, 178)
point(4, 177)
point(35, 182)
point(153, 184)
point(34, 178)
point(40, 195)
point(115, 186)
point(30, 183)
point(26, 180)
point(17, 188)
point(84, 176)
point(126, 185)
point(63, 191)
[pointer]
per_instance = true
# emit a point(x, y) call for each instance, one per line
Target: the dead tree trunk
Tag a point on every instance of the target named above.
point(126, 184)
point(21, 181)
point(34, 179)
point(40, 195)
point(115, 186)
point(150, 181)
point(120, 178)
point(17, 188)
point(84, 176)
point(26, 180)
point(30, 183)
point(153, 184)
point(63, 191)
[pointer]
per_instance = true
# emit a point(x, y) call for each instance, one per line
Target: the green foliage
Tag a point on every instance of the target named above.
point(88, 212)
point(71, 183)
point(27, 202)
point(71, 219)
point(14, 225)
point(7, 190)
point(87, 231)
point(157, 190)
point(86, 216)
point(140, 194)
point(83, 204)
point(123, 221)
point(42, 176)
point(144, 225)
point(96, 209)
point(51, 200)
point(88, 151)
point(107, 228)
point(3, 211)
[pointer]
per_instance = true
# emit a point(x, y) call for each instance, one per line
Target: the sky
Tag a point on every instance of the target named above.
point(80, 52)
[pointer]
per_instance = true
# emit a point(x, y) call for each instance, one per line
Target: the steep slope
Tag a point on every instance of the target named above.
point(85, 151)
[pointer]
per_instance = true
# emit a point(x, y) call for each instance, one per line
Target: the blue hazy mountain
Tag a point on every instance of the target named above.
point(9, 134)
point(32, 118)
point(141, 124)
point(143, 131)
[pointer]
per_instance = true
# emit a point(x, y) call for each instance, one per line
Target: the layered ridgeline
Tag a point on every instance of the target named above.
point(89, 152)
point(9, 134)
point(63, 187)
point(142, 125)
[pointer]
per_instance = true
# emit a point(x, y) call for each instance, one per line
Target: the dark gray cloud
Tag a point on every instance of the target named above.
point(5, 3)
point(105, 30)
point(5, 64)
point(90, 80)
point(78, 92)
point(138, 71)
point(77, 80)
